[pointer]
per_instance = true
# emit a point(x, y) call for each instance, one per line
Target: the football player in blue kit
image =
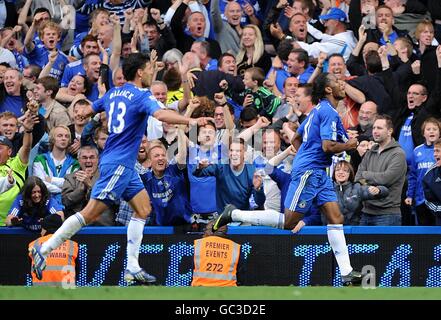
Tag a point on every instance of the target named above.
point(127, 109)
point(319, 136)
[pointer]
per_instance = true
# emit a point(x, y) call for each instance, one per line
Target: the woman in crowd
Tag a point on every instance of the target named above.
point(251, 52)
point(32, 206)
point(78, 88)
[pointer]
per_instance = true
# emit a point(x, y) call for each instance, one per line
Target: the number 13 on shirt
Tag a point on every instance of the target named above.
point(116, 117)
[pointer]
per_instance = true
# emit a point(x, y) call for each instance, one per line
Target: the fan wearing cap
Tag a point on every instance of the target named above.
point(18, 164)
point(60, 270)
point(337, 38)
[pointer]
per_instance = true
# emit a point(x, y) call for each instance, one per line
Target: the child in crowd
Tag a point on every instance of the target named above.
point(350, 195)
point(432, 184)
point(257, 96)
point(50, 34)
point(422, 160)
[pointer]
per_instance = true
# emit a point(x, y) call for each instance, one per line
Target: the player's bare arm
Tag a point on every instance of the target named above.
point(87, 111)
point(329, 146)
point(296, 141)
point(174, 118)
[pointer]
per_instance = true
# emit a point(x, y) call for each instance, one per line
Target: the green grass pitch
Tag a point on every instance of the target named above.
point(239, 293)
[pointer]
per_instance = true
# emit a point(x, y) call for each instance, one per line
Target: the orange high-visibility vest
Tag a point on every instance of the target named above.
point(215, 262)
point(60, 263)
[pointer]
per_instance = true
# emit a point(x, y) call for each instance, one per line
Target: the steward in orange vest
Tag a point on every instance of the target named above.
point(60, 264)
point(215, 259)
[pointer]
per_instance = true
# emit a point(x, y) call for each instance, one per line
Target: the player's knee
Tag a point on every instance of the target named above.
point(90, 216)
point(336, 219)
point(144, 211)
point(148, 208)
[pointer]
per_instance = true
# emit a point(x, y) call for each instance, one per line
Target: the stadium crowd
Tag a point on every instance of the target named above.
point(249, 65)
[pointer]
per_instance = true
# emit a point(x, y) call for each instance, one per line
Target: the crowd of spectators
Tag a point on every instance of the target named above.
point(249, 65)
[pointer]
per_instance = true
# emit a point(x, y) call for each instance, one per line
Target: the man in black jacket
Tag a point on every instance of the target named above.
point(372, 84)
point(159, 35)
point(207, 83)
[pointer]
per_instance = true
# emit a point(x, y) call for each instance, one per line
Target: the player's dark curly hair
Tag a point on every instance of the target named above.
point(319, 86)
point(133, 63)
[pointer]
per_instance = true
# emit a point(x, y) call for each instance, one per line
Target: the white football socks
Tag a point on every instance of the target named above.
point(135, 231)
point(71, 226)
point(337, 240)
point(270, 218)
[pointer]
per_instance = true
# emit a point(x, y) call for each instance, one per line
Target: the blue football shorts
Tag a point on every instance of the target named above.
point(308, 187)
point(116, 182)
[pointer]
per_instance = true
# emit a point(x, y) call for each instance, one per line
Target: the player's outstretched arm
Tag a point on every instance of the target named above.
point(171, 117)
point(87, 111)
point(329, 146)
point(296, 141)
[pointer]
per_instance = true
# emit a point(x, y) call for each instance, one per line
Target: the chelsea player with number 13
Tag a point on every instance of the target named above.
point(127, 108)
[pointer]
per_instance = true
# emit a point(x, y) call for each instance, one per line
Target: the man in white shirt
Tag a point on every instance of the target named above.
point(336, 39)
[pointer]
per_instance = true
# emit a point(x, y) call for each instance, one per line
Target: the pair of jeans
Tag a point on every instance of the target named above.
point(380, 219)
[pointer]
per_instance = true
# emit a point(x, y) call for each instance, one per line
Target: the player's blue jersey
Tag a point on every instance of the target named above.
point(127, 110)
point(323, 123)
